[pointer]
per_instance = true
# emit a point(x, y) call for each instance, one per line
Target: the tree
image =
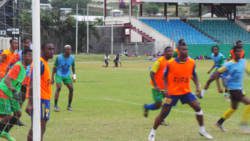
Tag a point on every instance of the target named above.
point(194, 8)
point(69, 3)
point(57, 30)
point(152, 8)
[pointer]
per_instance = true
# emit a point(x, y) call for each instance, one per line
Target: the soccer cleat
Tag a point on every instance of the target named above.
point(56, 109)
point(205, 134)
point(69, 109)
point(220, 127)
point(7, 136)
point(145, 114)
point(151, 136)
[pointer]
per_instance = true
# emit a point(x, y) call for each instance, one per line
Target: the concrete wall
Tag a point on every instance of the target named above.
point(103, 43)
point(4, 43)
point(243, 25)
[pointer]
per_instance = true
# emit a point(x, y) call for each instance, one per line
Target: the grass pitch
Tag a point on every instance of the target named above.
point(107, 106)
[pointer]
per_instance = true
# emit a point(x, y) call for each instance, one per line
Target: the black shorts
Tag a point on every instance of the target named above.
point(236, 95)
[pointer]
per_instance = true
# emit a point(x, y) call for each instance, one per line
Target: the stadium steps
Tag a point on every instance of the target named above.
point(244, 23)
point(161, 41)
point(143, 34)
point(211, 37)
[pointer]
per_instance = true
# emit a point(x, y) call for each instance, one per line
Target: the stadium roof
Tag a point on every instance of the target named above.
point(199, 1)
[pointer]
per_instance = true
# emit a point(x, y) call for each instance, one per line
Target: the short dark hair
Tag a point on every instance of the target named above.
point(213, 47)
point(181, 42)
point(167, 48)
point(25, 51)
point(25, 39)
point(12, 39)
point(239, 41)
point(45, 44)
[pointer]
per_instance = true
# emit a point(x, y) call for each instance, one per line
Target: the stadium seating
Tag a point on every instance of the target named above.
point(225, 31)
point(176, 29)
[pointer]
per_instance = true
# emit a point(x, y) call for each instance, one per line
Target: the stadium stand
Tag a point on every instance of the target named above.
point(225, 31)
point(246, 21)
point(176, 29)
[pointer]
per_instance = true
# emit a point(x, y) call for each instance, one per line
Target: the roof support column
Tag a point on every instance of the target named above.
point(166, 10)
point(177, 10)
point(141, 9)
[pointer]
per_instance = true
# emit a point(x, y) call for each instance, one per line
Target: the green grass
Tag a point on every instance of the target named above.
point(108, 103)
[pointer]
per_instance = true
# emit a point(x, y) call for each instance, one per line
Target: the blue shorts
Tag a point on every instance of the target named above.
point(172, 99)
point(45, 110)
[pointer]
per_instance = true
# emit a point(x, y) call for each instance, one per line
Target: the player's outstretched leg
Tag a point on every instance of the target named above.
point(220, 90)
point(71, 90)
point(153, 106)
point(57, 93)
point(157, 97)
point(199, 116)
point(163, 114)
point(227, 115)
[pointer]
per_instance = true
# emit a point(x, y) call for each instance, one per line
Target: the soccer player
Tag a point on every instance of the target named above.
point(106, 60)
point(235, 69)
point(177, 78)
point(62, 70)
point(157, 82)
point(10, 86)
point(47, 51)
point(26, 43)
point(219, 60)
point(117, 60)
point(180, 42)
point(8, 56)
point(240, 45)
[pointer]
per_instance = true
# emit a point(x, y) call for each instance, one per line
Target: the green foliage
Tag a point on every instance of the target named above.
point(69, 3)
point(151, 8)
point(57, 29)
point(194, 8)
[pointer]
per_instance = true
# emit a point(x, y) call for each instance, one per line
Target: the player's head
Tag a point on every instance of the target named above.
point(181, 42)
point(67, 50)
point(26, 43)
point(215, 49)
point(27, 56)
point(183, 51)
point(239, 44)
point(14, 44)
point(237, 52)
point(168, 52)
point(47, 50)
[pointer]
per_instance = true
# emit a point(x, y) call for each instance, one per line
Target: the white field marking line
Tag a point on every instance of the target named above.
point(174, 109)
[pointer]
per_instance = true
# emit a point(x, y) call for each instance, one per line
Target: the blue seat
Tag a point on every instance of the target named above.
point(176, 29)
point(225, 31)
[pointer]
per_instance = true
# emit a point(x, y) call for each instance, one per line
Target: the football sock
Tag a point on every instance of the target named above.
point(246, 115)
